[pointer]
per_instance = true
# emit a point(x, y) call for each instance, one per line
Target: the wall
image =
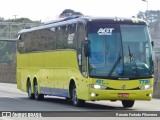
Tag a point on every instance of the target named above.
point(8, 73)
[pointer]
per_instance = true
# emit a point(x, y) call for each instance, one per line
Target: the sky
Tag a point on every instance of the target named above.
point(46, 10)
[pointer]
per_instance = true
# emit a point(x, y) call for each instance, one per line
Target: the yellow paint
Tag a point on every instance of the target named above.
point(135, 20)
point(55, 69)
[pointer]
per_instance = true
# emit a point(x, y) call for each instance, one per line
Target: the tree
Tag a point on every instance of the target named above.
point(2, 19)
point(155, 30)
point(153, 19)
point(69, 12)
point(19, 20)
point(150, 15)
point(7, 52)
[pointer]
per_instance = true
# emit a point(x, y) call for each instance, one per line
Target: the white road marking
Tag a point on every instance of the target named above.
point(5, 118)
point(12, 97)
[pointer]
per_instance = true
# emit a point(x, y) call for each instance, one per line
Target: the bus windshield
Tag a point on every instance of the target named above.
point(119, 50)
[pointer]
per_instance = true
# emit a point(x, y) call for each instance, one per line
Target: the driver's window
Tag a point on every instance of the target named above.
point(84, 63)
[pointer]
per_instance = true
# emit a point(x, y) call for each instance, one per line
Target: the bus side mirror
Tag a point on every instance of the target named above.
point(19, 37)
point(86, 48)
point(152, 43)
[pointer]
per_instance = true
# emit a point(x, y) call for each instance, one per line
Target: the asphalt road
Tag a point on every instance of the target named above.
point(12, 99)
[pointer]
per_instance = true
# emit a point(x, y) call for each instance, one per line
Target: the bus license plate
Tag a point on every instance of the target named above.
point(123, 95)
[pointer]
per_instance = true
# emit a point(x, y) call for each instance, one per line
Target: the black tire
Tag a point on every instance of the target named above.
point(68, 99)
point(75, 101)
point(36, 94)
point(29, 91)
point(127, 103)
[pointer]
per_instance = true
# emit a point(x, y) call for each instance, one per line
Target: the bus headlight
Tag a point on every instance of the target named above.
point(97, 86)
point(144, 87)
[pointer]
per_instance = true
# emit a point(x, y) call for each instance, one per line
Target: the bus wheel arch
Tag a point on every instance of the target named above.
point(36, 93)
point(29, 89)
point(73, 94)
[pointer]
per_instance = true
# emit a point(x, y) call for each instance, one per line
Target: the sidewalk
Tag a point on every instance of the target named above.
point(9, 87)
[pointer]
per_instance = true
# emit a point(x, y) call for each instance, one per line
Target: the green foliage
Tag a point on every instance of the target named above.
point(1, 44)
point(155, 30)
point(2, 19)
point(27, 20)
point(8, 52)
point(19, 20)
point(69, 12)
point(8, 49)
point(153, 19)
point(150, 15)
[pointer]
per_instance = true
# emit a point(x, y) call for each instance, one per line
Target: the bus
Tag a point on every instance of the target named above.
point(87, 59)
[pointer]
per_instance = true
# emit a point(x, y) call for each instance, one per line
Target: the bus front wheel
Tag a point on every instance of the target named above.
point(75, 100)
point(127, 103)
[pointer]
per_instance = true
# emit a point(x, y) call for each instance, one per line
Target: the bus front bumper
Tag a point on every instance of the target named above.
point(120, 94)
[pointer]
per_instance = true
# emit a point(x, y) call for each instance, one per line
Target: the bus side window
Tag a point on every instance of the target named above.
point(82, 60)
point(59, 37)
point(71, 36)
point(20, 45)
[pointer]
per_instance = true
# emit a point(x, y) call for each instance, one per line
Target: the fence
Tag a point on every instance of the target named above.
point(7, 62)
point(8, 32)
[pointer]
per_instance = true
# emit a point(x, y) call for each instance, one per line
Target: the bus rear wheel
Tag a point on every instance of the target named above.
point(127, 103)
point(76, 102)
point(36, 94)
point(29, 91)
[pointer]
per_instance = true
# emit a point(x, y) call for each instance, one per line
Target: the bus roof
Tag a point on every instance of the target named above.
point(74, 19)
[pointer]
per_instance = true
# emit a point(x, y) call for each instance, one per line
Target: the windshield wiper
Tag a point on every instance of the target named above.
point(130, 55)
point(115, 65)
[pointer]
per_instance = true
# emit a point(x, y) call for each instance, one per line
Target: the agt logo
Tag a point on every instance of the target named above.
point(100, 81)
point(105, 31)
point(144, 81)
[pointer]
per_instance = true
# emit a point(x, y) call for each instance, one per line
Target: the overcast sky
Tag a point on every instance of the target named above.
point(46, 10)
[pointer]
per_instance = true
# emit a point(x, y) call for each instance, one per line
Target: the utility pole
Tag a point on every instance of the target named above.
point(15, 16)
point(147, 4)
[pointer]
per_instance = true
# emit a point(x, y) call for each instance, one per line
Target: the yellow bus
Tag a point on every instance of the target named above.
point(86, 59)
